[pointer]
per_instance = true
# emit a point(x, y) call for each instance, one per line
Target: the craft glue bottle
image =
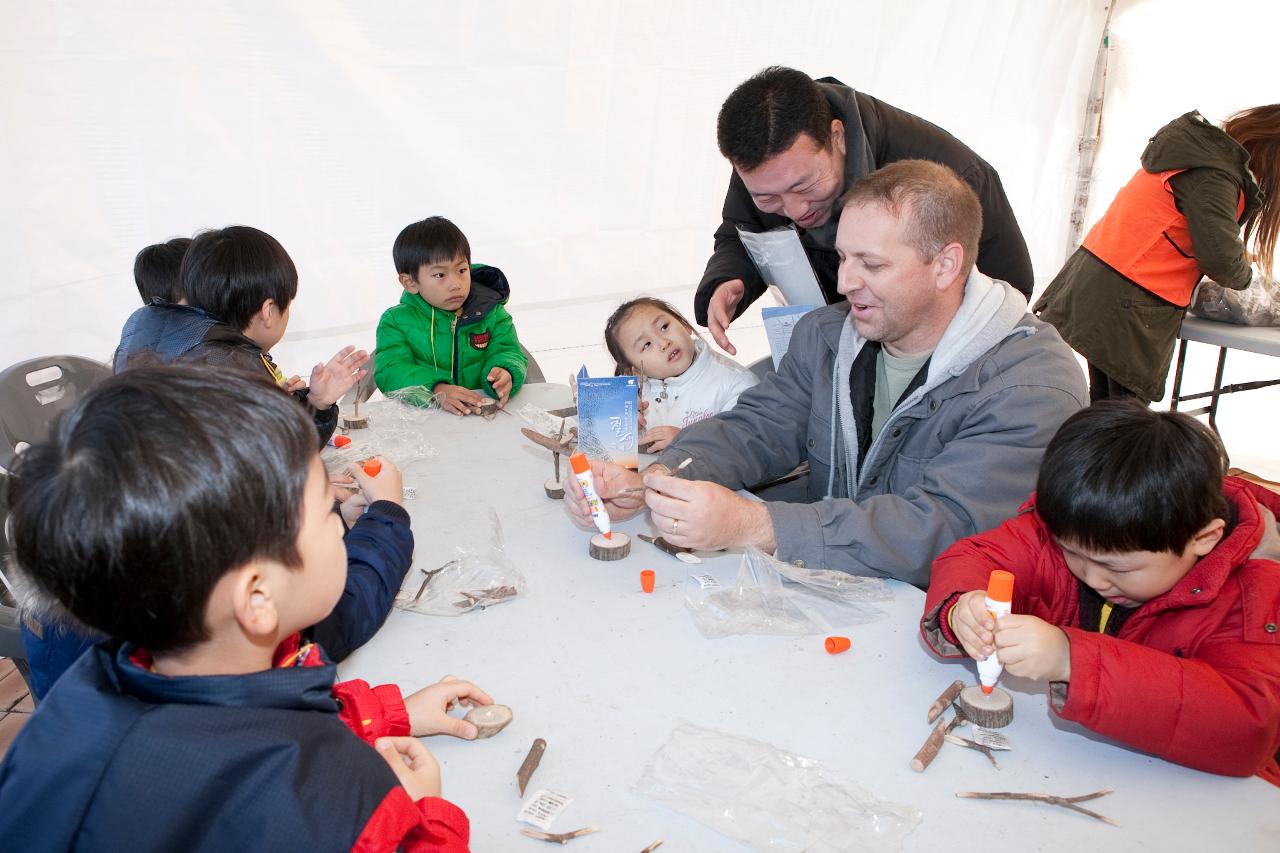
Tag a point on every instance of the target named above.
point(999, 602)
point(600, 515)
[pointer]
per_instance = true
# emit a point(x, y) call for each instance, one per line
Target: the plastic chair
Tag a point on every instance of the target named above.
point(364, 389)
point(33, 391)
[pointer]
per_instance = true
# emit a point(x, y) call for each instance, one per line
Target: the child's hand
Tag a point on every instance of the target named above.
point(500, 379)
point(414, 766)
point(658, 438)
point(458, 400)
point(294, 384)
point(429, 708)
point(973, 625)
point(330, 381)
point(387, 486)
point(644, 404)
point(1032, 648)
point(352, 507)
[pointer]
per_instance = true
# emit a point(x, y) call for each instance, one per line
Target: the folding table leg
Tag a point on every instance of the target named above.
point(1177, 376)
point(1217, 389)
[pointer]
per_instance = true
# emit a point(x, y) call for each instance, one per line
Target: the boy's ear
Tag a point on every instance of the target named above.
point(254, 603)
point(408, 282)
point(1208, 537)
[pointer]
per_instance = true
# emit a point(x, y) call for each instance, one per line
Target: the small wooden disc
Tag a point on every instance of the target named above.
point(355, 423)
point(489, 719)
point(614, 548)
point(552, 487)
point(992, 711)
point(489, 409)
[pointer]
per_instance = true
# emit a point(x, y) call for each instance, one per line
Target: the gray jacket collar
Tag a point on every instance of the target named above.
point(990, 312)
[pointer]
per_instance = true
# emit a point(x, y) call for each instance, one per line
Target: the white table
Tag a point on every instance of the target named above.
point(603, 672)
point(1264, 340)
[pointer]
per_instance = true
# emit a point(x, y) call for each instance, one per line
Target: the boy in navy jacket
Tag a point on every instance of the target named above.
point(207, 722)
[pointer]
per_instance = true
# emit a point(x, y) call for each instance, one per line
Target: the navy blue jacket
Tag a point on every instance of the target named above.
point(121, 758)
point(379, 553)
point(167, 331)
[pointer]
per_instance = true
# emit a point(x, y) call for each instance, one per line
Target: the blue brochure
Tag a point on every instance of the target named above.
point(607, 427)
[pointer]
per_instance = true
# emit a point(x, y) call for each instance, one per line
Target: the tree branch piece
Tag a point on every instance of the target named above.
point(530, 763)
point(946, 698)
point(1065, 802)
point(559, 837)
point(969, 744)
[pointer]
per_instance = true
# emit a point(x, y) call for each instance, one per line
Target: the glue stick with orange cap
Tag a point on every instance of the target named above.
point(582, 471)
point(999, 602)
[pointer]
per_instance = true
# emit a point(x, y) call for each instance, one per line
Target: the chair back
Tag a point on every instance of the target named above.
point(33, 391)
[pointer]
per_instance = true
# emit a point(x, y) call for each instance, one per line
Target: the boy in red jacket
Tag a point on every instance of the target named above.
point(1147, 591)
point(206, 722)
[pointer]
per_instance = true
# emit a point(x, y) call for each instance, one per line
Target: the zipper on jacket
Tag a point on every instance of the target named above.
point(453, 331)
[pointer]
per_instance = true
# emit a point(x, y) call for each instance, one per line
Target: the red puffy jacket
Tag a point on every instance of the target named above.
point(1206, 653)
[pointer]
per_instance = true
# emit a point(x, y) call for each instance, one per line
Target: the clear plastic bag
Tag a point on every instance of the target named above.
point(773, 597)
point(767, 798)
point(1256, 305)
point(478, 576)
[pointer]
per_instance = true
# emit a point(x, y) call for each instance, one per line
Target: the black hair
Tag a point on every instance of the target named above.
point(622, 366)
point(156, 269)
point(140, 501)
point(767, 113)
point(1118, 477)
point(231, 271)
point(434, 240)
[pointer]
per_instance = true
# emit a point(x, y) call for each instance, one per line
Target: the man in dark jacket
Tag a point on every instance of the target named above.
point(796, 146)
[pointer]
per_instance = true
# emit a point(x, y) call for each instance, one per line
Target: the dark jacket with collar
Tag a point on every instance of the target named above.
point(878, 134)
point(121, 758)
point(167, 331)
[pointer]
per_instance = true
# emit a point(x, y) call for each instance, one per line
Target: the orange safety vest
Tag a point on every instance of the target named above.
point(1145, 238)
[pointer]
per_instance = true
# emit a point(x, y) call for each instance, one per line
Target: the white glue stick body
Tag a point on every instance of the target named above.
point(582, 471)
point(999, 602)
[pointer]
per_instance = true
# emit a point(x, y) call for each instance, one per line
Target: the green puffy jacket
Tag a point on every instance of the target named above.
point(419, 344)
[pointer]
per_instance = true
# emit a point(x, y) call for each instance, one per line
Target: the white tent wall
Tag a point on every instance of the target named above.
point(574, 142)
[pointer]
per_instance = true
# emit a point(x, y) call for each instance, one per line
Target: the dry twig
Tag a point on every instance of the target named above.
point(1065, 802)
point(948, 696)
point(559, 837)
point(974, 745)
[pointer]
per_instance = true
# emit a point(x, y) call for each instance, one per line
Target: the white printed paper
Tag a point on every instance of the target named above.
point(781, 261)
point(779, 323)
point(542, 808)
point(706, 581)
point(990, 739)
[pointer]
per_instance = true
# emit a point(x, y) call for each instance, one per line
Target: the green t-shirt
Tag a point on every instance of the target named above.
point(893, 375)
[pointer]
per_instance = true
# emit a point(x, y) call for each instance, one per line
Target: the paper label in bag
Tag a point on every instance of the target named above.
point(706, 581)
point(542, 808)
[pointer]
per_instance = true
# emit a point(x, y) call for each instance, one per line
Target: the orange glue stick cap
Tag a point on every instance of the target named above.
point(579, 463)
point(1000, 586)
point(986, 691)
point(373, 467)
point(836, 645)
point(341, 440)
point(646, 580)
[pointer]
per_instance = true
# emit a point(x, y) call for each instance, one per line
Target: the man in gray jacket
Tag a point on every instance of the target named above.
point(922, 403)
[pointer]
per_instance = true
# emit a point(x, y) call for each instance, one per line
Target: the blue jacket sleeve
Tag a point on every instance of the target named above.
point(379, 553)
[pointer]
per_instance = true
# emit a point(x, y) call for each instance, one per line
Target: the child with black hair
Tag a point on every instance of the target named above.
point(1147, 591)
point(239, 283)
point(156, 271)
point(209, 721)
point(684, 380)
point(450, 332)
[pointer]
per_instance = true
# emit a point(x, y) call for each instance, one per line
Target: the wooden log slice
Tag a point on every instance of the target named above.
point(355, 423)
point(614, 548)
point(992, 711)
point(552, 487)
point(489, 719)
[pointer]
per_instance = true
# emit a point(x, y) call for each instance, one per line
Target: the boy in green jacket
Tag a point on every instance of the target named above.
point(450, 333)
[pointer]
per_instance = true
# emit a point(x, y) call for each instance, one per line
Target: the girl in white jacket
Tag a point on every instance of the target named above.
point(682, 381)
